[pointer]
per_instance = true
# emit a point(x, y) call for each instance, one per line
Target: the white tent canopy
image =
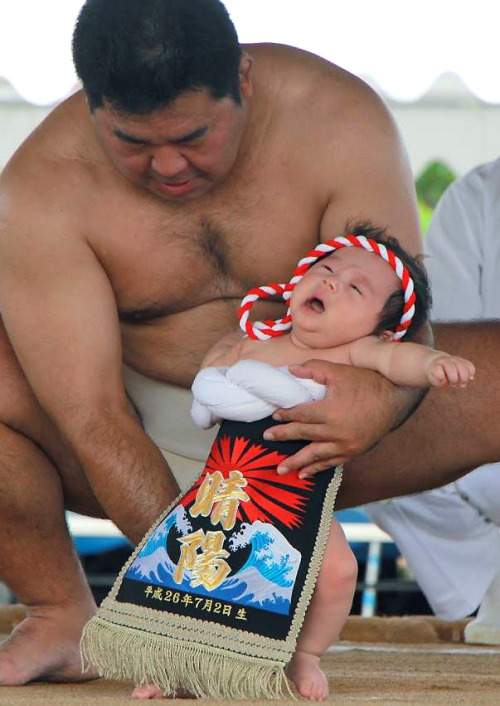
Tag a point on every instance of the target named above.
point(403, 47)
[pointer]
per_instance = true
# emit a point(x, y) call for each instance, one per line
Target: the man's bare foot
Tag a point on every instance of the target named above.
point(45, 647)
point(305, 673)
point(150, 691)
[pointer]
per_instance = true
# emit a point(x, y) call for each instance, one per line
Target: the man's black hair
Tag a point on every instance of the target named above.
point(391, 314)
point(140, 55)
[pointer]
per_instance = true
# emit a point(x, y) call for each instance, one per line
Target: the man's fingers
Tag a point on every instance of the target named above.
point(312, 459)
point(308, 413)
point(295, 431)
point(310, 471)
point(318, 370)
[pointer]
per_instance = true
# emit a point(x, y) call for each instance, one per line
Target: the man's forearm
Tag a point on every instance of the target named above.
point(126, 471)
point(410, 399)
point(454, 430)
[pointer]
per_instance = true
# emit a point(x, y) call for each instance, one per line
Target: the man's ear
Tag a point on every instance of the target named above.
point(245, 76)
point(386, 336)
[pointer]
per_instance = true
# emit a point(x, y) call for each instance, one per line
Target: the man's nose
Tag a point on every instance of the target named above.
point(167, 161)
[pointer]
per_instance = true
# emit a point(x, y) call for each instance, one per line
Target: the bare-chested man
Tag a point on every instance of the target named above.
point(132, 222)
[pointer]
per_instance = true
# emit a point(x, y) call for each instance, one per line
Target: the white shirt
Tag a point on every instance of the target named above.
point(450, 535)
point(463, 248)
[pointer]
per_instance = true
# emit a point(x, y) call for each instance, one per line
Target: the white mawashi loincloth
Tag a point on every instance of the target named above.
point(165, 415)
point(249, 390)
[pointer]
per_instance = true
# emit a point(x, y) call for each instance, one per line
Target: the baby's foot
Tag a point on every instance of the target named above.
point(150, 691)
point(147, 691)
point(307, 676)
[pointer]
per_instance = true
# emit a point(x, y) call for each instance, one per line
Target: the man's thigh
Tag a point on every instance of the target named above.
point(22, 413)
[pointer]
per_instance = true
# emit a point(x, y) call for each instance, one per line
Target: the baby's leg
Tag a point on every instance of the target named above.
point(326, 615)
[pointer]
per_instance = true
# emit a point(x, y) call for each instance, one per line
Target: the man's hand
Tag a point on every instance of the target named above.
point(360, 408)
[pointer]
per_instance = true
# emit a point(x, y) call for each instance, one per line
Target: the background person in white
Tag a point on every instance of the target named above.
point(450, 536)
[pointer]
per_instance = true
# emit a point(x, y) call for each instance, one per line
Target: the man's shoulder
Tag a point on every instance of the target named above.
point(282, 56)
point(296, 74)
point(310, 98)
point(63, 137)
point(59, 153)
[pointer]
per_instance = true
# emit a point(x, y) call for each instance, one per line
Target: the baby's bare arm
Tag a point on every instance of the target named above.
point(410, 363)
point(224, 352)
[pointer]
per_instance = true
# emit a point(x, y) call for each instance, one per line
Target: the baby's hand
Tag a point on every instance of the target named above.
point(450, 370)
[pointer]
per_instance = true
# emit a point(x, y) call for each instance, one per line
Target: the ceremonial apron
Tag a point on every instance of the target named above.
point(214, 597)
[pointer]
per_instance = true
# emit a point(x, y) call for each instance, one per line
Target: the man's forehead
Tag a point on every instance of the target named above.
point(163, 124)
point(166, 112)
point(191, 101)
point(174, 121)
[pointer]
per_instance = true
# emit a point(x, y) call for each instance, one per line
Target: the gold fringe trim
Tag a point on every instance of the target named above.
point(317, 554)
point(130, 642)
point(119, 652)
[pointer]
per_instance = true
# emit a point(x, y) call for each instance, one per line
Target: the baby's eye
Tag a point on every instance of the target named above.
point(356, 289)
point(327, 267)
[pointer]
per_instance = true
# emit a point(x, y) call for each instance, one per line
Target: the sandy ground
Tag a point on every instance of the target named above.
point(414, 661)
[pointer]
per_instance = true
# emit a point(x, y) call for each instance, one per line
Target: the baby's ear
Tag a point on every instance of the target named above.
point(386, 336)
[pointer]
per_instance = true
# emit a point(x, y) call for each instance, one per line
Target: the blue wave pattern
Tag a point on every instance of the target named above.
point(265, 581)
point(262, 558)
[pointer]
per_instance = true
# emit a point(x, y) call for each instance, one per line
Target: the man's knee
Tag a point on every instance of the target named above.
point(18, 404)
point(9, 446)
point(16, 476)
point(22, 415)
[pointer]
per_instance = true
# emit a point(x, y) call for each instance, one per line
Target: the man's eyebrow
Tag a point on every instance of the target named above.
point(182, 139)
point(125, 137)
point(199, 132)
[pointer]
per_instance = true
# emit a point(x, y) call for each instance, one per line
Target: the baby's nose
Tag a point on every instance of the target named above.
point(332, 282)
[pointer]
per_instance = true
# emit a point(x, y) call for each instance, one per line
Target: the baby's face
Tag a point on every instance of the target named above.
point(340, 298)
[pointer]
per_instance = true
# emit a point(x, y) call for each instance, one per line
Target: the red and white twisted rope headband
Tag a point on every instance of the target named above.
point(267, 329)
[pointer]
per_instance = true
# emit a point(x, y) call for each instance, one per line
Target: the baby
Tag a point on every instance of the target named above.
point(350, 301)
point(346, 309)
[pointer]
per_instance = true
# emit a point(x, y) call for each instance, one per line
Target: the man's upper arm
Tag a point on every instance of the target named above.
point(60, 314)
point(370, 176)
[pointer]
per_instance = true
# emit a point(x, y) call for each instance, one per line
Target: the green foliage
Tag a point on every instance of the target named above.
point(433, 181)
point(430, 186)
point(425, 213)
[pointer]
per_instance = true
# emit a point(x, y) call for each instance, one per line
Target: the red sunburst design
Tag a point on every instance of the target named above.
point(272, 497)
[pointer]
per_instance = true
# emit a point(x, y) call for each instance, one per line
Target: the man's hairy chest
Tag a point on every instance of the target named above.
point(159, 265)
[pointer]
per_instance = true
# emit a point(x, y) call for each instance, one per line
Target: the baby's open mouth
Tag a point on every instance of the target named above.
point(315, 305)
